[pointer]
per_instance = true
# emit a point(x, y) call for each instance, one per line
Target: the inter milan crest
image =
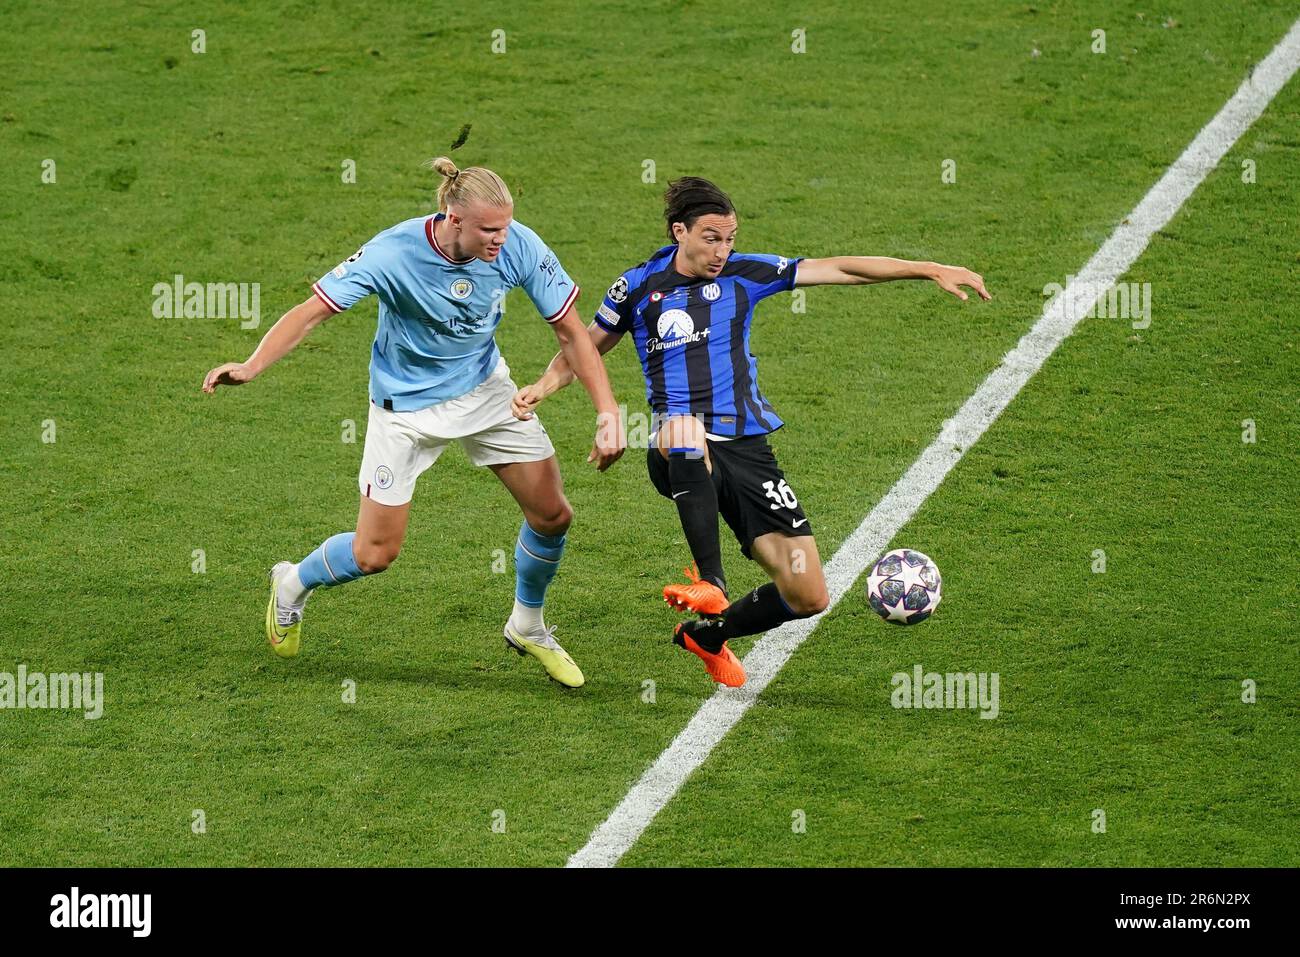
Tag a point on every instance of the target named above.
point(711, 292)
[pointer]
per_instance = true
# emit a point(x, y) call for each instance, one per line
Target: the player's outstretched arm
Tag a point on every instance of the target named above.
point(585, 363)
point(860, 270)
point(289, 330)
point(559, 373)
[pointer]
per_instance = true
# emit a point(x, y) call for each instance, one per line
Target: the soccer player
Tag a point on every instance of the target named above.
point(437, 376)
point(689, 308)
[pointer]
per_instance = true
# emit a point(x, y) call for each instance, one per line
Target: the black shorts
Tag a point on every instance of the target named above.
point(753, 495)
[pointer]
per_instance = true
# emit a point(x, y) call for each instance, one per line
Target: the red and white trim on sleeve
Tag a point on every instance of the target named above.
point(559, 313)
point(334, 306)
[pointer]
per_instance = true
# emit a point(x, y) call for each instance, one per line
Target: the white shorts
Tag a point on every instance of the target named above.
point(401, 445)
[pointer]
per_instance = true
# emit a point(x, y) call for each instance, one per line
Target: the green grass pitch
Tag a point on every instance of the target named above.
point(1120, 691)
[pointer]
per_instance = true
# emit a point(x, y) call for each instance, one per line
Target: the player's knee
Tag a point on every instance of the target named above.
point(693, 431)
point(555, 521)
point(375, 557)
point(561, 520)
point(808, 602)
point(684, 431)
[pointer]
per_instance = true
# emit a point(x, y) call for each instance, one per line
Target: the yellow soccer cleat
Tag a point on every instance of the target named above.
point(283, 631)
point(547, 650)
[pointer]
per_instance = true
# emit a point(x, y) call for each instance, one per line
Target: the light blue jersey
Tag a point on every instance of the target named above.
point(437, 316)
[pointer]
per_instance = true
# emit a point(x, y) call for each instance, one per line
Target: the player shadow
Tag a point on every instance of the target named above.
point(523, 678)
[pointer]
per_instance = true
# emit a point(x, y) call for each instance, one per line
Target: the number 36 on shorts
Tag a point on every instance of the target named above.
point(782, 495)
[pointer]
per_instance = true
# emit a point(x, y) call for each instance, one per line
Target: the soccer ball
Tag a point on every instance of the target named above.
point(904, 587)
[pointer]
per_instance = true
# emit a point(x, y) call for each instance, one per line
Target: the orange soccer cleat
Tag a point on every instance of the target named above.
point(699, 597)
point(723, 666)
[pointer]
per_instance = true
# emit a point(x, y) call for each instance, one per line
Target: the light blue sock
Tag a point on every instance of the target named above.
point(537, 558)
point(331, 564)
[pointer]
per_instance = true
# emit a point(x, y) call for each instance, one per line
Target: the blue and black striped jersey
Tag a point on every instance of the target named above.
point(693, 337)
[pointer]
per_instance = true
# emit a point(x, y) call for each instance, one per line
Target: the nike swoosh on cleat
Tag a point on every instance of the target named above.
point(275, 624)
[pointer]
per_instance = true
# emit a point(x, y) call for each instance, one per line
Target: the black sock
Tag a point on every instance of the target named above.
point(696, 499)
point(760, 610)
point(707, 634)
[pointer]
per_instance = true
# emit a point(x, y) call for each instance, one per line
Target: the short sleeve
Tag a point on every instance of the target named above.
point(540, 274)
point(347, 283)
point(614, 312)
point(767, 274)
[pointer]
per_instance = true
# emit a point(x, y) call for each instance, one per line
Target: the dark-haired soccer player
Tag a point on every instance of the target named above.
point(688, 308)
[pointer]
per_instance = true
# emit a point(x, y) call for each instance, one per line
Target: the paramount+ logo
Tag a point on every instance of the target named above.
point(675, 328)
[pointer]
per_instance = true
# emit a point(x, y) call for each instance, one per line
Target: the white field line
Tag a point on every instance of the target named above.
point(625, 824)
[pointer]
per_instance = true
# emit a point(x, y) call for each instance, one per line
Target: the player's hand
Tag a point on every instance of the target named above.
point(611, 440)
point(232, 373)
point(952, 278)
point(526, 400)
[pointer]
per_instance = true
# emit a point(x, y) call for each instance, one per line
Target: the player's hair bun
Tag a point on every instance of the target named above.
point(460, 187)
point(445, 166)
